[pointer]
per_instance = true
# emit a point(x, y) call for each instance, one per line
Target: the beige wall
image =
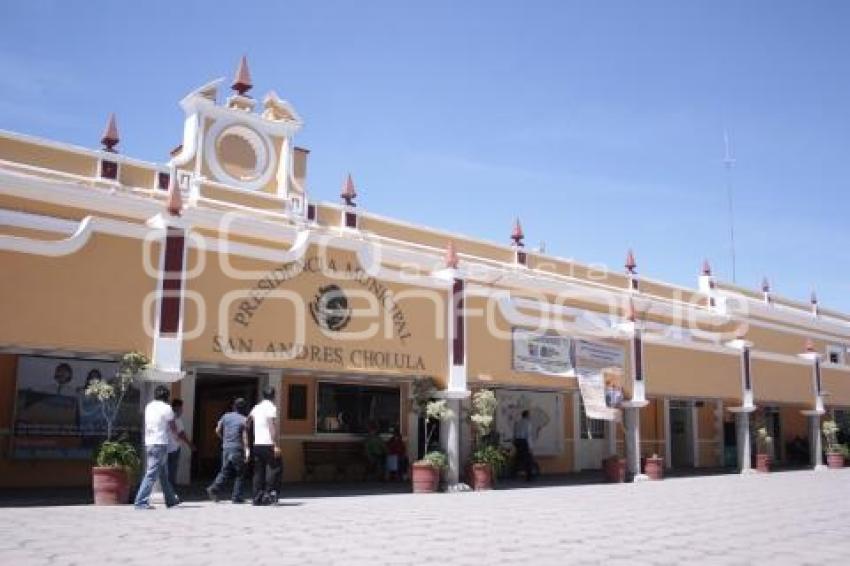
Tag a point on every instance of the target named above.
point(776, 382)
point(275, 321)
point(680, 372)
point(91, 300)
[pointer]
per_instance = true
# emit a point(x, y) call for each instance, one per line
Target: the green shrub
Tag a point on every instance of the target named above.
point(118, 454)
point(492, 455)
point(436, 459)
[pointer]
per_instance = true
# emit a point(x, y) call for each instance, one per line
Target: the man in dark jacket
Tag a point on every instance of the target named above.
point(230, 429)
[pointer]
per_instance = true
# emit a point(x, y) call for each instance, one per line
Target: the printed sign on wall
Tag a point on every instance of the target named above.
point(599, 368)
point(541, 352)
point(53, 416)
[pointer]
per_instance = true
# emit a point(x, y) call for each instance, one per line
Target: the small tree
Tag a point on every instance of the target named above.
point(110, 393)
point(433, 412)
point(830, 434)
point(484, 404)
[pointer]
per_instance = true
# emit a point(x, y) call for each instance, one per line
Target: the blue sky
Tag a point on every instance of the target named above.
point(600, 124)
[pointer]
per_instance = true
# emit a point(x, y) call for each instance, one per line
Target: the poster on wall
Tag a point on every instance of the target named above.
point(600, 368)
point(54, 419)
point(546, 416)
point(541, 352)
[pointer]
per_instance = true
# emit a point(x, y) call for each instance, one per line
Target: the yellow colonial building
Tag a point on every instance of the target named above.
point(221, 267)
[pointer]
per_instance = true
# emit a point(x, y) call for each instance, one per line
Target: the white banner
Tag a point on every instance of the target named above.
point(541, 352)
point(599, 368)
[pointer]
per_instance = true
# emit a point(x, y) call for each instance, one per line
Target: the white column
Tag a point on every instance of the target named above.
point(668, 444)
point(187, 393)
point(578, 452)
point(632, 417)
point(450, 441)
point(742, 430)
point(816, 443)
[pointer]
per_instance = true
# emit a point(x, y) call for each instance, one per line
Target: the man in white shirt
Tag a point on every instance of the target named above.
point(523, 442)
point(159, 420)
point(176, 437)
point(263, 421)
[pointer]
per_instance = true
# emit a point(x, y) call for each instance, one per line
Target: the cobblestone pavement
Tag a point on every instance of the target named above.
point(782, 518)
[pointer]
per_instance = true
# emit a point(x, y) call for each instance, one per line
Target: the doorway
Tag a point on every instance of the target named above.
point(681, 434)
point(214, 395)
point(594, 444)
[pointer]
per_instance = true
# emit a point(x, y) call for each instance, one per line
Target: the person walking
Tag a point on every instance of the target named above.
point(176, 437)
point(230, 429)
point(263, 419)
point(523, 442)
point(159, 420)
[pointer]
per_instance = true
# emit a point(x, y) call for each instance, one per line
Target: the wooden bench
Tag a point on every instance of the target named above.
point(342, 456)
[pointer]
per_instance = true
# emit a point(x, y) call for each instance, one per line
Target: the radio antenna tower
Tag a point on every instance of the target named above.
point(729, 163)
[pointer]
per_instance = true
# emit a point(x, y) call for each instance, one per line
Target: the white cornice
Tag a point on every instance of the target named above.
point(80, 150)
point(280, 227)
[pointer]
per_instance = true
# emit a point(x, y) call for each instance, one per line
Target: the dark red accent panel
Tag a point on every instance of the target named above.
point(458, 346)
point(351, 220)
point(172, 282)
point(109, 170)
point(162, 180)
point(521, 258)
point(745, 359)
point(817, 378)
point(638, 346)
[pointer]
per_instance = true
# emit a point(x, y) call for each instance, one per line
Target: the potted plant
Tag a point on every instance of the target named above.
point(654, 467)
point(615, 469)
point(835, 452)
point(116, 460)
point(764, 445)
point(487, 458)
point(425, 473)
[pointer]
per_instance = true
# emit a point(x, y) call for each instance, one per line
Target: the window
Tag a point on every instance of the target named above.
point(590, 428)
point(296, 403)
point(347, 408)
point(835, 354)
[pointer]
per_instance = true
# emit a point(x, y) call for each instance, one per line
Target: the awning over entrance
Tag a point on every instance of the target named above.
point(781, 382)
point(685, 372)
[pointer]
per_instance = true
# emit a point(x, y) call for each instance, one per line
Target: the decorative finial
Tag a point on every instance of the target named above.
point(242, 80)
point(706, 268)
point(517, 236)
point(110, 134)
point(765, 285)
point(348, 193)
point(631, 264)
point(175, 197)
point(814, 299)
point(451, 255)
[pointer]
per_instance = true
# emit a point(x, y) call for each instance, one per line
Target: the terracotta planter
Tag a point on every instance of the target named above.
point(482, 477)
point(654, 468)
point(111, 486)
point(615, 469)
point(425, 478)
point(835, 460)
point(763, 463)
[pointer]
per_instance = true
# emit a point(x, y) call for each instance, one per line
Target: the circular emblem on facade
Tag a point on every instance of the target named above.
point(239, 155)
point(330, 308)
